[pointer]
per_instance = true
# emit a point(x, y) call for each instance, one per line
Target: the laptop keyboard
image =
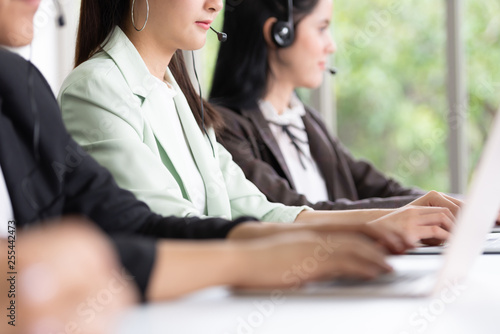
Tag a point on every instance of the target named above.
point(491, 246)
point(493, 241)
point(391, 278)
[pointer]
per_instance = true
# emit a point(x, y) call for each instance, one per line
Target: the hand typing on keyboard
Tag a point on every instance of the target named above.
point(434, 198)
point(413, 224)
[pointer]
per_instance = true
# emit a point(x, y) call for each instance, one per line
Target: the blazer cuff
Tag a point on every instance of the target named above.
point(137, 255)
point(369, 203)
point(285, 214)
point(240, 220)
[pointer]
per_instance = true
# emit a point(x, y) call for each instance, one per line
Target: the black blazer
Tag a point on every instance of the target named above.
point(65, 180)
point(351, 183)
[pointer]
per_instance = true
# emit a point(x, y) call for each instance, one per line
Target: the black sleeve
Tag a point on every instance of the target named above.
point(92, 192)
point(65, 180)
point(138, 256)
point(393, 202)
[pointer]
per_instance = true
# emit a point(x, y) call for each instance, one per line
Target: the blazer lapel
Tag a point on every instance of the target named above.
point(262, 126)
point(327, 160)
point(218, 204)
point(155, 114)
point(144, 85)
point(16, 167)
point(10, 164)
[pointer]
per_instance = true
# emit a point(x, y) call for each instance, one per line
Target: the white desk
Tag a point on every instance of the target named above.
point(475, 310)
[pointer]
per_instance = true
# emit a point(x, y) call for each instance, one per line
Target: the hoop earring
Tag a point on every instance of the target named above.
point(147, 16)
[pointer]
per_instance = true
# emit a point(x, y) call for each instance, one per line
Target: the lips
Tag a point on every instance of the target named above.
point(204, 24)
point(34, 3)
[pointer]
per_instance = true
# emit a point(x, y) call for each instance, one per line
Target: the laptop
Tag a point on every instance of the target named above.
point(496, 229)
point(412, 275)
point(491, 246)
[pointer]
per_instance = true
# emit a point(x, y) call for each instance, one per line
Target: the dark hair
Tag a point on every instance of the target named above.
point(98, 18)
point(242, 70)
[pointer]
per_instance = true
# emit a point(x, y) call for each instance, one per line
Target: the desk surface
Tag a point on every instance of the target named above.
point(476, 309)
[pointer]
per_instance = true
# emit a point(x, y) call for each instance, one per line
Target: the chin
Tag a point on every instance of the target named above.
point(19, 34)
point(14, 40)
point(195, 44)
point(313, 83)
point(17, 43)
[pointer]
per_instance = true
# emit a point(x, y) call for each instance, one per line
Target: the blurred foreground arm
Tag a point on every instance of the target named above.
point(280, 261)
point(68, 277)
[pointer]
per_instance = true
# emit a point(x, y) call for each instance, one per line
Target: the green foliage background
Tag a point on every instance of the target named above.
point(391, 89)
point(391, 86)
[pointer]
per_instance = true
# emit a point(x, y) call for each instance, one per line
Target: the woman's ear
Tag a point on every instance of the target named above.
point(267, 31)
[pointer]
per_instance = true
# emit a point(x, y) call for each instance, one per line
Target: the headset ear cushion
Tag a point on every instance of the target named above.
point(282, 34)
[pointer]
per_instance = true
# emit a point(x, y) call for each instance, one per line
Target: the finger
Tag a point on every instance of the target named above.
point(370, 255)
point(444, 202)
point(406, 237)
point(371, 263)
point(421, 226)
point(444, 211)
point(391, 241)
point(432, 232)
point(426, 210)
point(384, 236)
point(456, 201)
point(402, 240)
point(432, 242)
point(353, 268)
point(441, 219)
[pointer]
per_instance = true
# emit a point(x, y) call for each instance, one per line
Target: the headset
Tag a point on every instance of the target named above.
point(60, 15)
point(283, 32)
point(222, 38)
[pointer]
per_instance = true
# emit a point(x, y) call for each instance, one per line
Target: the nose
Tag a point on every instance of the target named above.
point(215, 5)
point(331, 46)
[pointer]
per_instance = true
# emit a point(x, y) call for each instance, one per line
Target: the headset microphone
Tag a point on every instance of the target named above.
point(60, 15)
point(222, 36)
point(331, 70)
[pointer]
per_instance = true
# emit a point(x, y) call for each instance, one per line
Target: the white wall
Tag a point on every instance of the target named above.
point(53, 48)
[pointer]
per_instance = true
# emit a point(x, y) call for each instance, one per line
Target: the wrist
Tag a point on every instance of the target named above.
point(241, 262)
point(190, 266)
point(246, 231)
point(233, 262)
point(260, 230)
point(341, 217)
point(374, 214)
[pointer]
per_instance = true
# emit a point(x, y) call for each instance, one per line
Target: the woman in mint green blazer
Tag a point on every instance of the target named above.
point(113, 106)
point(127, 104)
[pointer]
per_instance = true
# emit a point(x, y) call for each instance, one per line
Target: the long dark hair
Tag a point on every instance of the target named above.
point(242, 70)
point(98, 18)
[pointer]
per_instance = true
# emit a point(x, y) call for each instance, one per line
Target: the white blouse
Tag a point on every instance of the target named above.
point(303, 169)
point(195, 183)
point(6, 212)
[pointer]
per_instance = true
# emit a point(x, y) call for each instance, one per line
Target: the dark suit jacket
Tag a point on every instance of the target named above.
point(64, 180)
point(351, 183)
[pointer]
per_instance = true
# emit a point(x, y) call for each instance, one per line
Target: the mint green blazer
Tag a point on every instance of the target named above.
point(111, 105)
